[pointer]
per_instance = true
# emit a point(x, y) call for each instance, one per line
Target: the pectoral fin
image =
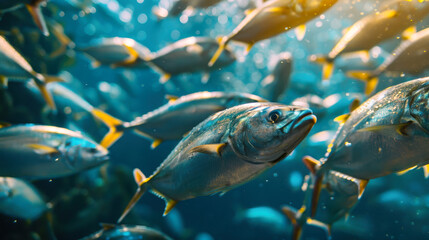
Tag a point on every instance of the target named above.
point(389, 13)
point(155, 143)
point(215, 148)
point(362, 183)
point(171, 98)
point(320, 224)
point(400, 129)
point(43, 149)
point(406, 35)
point(300, 32)
point(342, 118)
point(426, 170)
point(3, 81)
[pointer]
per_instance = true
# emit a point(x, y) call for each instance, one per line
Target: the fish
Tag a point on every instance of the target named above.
point(340, 197)
point(13, 65)
point(161, 124)
point(226, 150)
point(263, 217)
point(112, 231)
point(282, 15)
point(395, 17)
point(19, 199)
point(33, 7)
point(64, 41)
point(189, 55)
point(181, 5)
point(386, 134)
point(117, 52)
point(275, 84)
point(44, 152)
point(411, 56)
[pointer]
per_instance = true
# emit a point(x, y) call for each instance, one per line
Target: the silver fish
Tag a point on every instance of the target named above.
point(111, 231)
point(181, 5)
point(33, 7)
point(189, 55)
point(20, 199)
point(275, 84)
point(411, 56)
point(176, 118)
point(395, 17)
point(13, 65)
point(388, 133)
point(282, 15)
point(44, 152)
point(118, 52)
point(226, 150)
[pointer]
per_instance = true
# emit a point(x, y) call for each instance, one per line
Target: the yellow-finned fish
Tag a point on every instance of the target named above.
point(272, 18)
point(388, 133)
point(181, 5)
point(225, 151)
point(13, 65)
point(176, 118)
point(394, 18)
point(33, 7)
point(411, 56)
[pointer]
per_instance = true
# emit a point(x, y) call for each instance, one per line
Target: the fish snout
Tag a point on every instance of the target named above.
point(305, 118)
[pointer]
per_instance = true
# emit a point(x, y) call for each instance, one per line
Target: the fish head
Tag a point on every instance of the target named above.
point(419, 105)
point(270, 132)
point(83, 154)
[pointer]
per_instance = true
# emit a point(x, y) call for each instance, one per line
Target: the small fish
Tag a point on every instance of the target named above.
point(282, 15)
point(387, 134)
point(33, 7)
point(189, 55)
point(181, 5)
point(45, 152)
point(13, 65)
point(275, 84)
point(112, 231)
point(20, 199)
point(394, 18)
point(176, 118)
point(411, 56)
point(340, 197)
point(117, 52)
point(263, 217)
point(225, 151)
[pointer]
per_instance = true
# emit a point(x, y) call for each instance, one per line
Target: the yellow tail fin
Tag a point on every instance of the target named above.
point(222, 43)
point(368, 77)
point(46, 95)
point(112, 123)
point(328, 65)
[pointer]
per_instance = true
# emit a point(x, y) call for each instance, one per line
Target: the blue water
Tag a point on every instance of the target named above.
point(393, 207)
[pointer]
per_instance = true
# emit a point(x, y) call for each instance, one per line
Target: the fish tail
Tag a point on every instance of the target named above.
point(160, 13)
point(369, 77)
point(292, 215)
point(316, 193)
point(114, 124)
point(35, 12)
point(327, 63)
point(222, 44)
point(140, 179)
point(46, 95)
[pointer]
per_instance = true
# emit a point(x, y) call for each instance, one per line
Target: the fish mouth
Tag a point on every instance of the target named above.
point(304, 119)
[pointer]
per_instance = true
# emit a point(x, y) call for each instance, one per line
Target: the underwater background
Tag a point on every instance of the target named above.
point(392, 207)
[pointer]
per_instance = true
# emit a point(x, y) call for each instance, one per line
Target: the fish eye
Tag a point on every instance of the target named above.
point(274, 116)
point(92, 150)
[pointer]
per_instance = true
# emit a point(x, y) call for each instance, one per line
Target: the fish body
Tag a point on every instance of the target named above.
point(112, 232)
point(176, 118)
point(190, 55)
point(388, 133)
point(275, 84)
point(282, 15)
point(20, 199)
point(118, 52)
point(44, 152)
point(226, 150)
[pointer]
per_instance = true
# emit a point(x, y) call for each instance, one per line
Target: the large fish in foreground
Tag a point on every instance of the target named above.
point(13, 65)
point(394, 18)
point(189, 55)
point(33, 7)
point(272, 18)
point(45, 152)
point(226, 150)
point(388, 133)
point(176, 118)
point(411, 56)
point(111, 231)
